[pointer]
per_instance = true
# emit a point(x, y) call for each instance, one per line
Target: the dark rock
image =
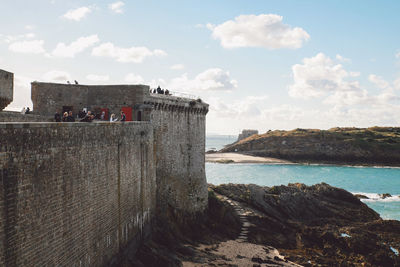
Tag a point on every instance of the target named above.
point(359, 196)
point(305, 223)
point(385, 195)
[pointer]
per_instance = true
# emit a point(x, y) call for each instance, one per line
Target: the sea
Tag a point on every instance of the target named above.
point(368, 181)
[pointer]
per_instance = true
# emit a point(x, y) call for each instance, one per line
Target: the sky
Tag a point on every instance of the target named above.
point(260, 64)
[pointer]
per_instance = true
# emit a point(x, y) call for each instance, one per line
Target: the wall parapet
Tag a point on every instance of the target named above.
point(178, 104)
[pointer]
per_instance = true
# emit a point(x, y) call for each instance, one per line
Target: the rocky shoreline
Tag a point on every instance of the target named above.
point(250, 225)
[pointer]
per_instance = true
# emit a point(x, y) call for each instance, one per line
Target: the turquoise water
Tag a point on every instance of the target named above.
point(219, 141)
point(368, 181)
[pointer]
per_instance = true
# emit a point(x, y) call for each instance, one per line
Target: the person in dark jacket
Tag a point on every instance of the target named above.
point(57, 117)
point(88, 118)
point(70, 117)
point(123, 116)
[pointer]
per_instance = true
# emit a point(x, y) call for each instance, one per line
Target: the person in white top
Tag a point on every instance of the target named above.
point(113, 118)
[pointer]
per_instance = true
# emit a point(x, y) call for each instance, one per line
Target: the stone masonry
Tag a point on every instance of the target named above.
point(6, 88)
point(80, 194)
point(74, 194)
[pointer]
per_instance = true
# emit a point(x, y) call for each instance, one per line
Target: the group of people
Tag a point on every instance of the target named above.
point(86, 117)
point(160, 91)
point(26, 110)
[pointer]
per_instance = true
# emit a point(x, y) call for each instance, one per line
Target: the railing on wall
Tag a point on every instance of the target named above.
point(177, 94)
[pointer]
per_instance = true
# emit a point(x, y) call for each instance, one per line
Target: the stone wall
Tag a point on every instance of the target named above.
point(13, 116)
point(179, 133)
point(6, 88)
point(47, 98)
point(74, 194)
point(246, 133)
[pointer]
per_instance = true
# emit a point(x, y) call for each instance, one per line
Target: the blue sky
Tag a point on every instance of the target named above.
point(260, 64)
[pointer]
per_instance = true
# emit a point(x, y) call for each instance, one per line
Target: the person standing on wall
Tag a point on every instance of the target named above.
point(57, 117)
point(123, 116)
point(70, 117)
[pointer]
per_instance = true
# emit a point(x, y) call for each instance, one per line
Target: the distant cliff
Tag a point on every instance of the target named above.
point(375, 145)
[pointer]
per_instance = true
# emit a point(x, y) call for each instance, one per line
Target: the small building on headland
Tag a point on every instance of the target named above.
point(82, 193)
point(246, 133)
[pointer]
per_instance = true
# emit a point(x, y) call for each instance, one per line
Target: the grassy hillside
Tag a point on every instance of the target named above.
point(375, 145)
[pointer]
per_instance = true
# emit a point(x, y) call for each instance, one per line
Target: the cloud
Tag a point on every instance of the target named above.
point(56, 76)
point(69, 51)
point(378, 81)
point(28, 47)
point(341, 58)
point(97, 78)
point(134, 78)
point(125, 55)
point(30, 27)
point(213, 79)
point(397, 55)
point(177, 67)
point(117, 7)
point(265, 30)
point(78, 13)
point(248, 107)
point(318, 76)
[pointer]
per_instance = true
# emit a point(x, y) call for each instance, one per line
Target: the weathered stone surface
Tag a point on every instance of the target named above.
point(179, 134)
point(47, 98)
point(74, 194)
point(12, 116)
point(6, 88)
point(317, 225)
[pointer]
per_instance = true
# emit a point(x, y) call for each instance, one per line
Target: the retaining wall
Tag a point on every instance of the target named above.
point(74, 194)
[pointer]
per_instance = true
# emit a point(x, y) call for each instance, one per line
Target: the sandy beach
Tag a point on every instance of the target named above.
point(242, 158)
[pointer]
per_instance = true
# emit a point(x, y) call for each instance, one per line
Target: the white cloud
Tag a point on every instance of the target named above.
point(341, 58)
point(97, 78)
point(319, 75)
point(117, 7)
point(77, 14)
point(69, 51)
point(56, 76)
point(27, 47)
point(30, 27)
point(132, 54)
point(177, 67)
point(378, 81)
point(134, 78)
point(265, 30)
point(397, 55)
point(213, 79)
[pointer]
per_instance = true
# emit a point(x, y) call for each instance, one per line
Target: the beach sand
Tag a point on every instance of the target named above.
point(242, 158)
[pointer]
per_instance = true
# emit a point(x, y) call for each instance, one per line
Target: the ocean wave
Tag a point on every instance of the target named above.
point(375, 197)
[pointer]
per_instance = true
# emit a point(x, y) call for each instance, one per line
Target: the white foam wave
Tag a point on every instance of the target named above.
point(375, 197)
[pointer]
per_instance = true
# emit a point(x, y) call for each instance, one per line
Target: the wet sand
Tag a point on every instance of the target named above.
point(241, 158)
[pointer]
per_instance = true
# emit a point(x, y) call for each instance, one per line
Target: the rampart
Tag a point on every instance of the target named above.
point(80, 194)
point(13, 116)
point(179, 142)
point(47, 98)
point(6, 88)
point(74, 194)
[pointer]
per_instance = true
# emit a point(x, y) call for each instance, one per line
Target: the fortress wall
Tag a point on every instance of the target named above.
point(6, 88)
point(12, 116)
point(179, 133)
point(74, 194)
point(47, 98)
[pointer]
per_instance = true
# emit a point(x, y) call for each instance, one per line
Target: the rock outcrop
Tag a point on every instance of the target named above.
point(317, 225)
point(375, 145)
